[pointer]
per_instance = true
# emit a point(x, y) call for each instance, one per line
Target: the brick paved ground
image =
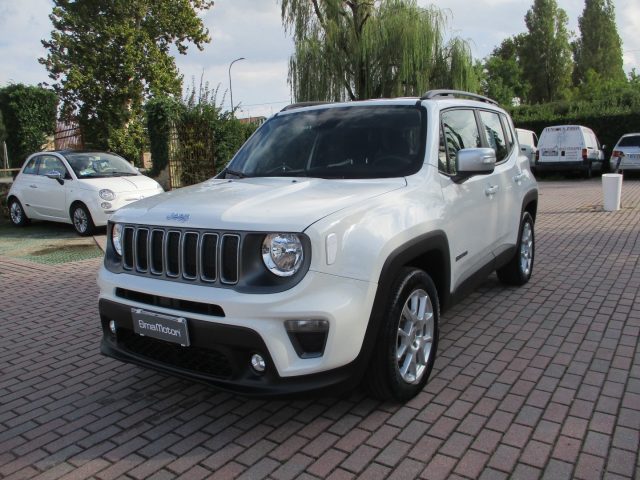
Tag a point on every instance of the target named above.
point(537, 382)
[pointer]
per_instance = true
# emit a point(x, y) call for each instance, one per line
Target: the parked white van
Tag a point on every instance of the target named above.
point(569, 147)
point(528, 141)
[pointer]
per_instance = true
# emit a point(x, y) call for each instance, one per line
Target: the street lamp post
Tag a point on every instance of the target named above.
point(230, 88)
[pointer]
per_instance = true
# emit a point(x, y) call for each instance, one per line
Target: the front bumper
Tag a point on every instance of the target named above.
point(239, 325)
point(219, 355)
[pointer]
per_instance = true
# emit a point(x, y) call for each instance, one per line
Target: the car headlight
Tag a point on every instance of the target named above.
point(107, 194)
point(282, 253)
point(116, 237)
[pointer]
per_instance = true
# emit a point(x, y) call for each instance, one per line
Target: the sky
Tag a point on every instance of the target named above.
point(253, 29)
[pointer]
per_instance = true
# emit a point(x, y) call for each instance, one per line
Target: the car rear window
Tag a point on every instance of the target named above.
point(631, 141)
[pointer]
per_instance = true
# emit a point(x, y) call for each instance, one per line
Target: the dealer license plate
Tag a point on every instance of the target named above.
point(160, 326)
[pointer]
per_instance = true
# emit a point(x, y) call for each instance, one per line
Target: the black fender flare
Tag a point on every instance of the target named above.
point(530, 197)
point(432, 242)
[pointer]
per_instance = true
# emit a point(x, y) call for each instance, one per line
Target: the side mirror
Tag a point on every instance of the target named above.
point(55, 175)
point(474, 161)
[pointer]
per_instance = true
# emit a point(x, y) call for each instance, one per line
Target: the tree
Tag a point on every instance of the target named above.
point(358, 49)
point(546, 52)
point(503, 80)
point(599, 47)
point(106, 57)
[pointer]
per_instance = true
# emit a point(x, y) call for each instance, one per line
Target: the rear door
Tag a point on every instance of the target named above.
point(509, 175)
point(561, 144)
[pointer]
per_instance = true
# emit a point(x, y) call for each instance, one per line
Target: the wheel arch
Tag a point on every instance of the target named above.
point(530, 204)
point(76, 203)
point(429, 252)
point(12, 197)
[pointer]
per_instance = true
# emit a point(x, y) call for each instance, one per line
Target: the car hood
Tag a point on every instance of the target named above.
point(119, 184)
point(260, 204)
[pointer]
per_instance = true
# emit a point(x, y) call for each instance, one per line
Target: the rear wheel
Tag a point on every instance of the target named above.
point(82, 221)
point(408, 339)
point(16, 213)
point(518, 270)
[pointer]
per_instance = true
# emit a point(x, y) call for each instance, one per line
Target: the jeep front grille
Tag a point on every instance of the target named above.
point(182, 255)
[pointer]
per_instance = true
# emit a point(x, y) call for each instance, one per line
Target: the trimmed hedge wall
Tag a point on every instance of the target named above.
point(29, 115)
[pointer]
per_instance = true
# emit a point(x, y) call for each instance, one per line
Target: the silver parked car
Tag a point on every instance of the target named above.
point(626, 153)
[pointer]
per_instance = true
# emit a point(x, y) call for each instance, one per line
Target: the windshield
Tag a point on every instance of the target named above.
point(338, 142)
point(630, 141)
point(99, 164)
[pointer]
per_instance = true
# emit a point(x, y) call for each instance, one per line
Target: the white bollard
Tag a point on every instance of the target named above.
point(612, 189)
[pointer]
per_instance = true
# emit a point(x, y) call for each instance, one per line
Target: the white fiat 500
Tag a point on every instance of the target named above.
point(81, 188)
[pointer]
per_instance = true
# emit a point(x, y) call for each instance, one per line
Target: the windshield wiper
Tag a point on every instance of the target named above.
point(234, 174)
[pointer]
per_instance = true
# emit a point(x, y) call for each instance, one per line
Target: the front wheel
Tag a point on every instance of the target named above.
point(82, 221)
point(16, 213)
point(518, 271)
point(408, 339)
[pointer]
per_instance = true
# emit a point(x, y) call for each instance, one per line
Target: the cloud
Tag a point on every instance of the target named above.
point(253, 29)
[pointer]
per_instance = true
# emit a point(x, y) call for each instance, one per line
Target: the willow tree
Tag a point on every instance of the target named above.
point(358, 49)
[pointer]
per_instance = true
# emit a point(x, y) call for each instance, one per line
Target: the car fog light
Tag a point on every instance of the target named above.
point(105, 205)
point(112, 326)
point(258, 363)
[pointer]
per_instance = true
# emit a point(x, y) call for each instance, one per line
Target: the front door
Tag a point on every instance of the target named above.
point(48, 196)
point(472, 206)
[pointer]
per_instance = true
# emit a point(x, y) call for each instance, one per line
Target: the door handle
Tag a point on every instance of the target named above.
point(33, 186)
point(491, 190)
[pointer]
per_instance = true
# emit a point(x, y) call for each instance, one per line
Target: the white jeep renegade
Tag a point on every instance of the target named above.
point(325, 251)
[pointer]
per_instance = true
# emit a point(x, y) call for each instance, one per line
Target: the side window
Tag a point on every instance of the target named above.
point(32, 166)
point(49, 163)
point(507, 128)
point(458, 130)
point(494, 134)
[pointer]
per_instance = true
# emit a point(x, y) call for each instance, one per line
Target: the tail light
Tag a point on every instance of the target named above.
point(584, 153)
point(617, 153)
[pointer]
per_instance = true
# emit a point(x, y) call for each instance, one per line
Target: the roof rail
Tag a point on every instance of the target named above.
point(456, 93)
point(302, 104)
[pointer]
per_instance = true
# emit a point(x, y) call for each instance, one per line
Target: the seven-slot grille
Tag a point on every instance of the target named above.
point(182, 255)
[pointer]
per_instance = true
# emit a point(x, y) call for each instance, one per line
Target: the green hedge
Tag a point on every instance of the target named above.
point(29, 115)
point(195, 133)
point(161, 112)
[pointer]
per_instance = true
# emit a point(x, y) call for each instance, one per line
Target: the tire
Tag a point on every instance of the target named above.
point(16, 213)
point(519, 269)
point(406, 346)
point(82, 221)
